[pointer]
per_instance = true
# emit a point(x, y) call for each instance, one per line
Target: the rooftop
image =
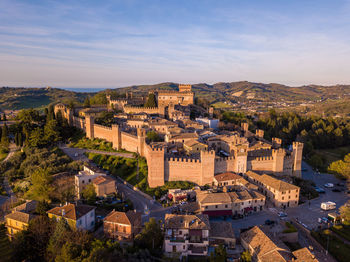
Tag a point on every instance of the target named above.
point(221, 229)
point(102, 179)
point(71, 211)
point(20, 216)
point(227, 176)
point(127, 218)
point(187, 221)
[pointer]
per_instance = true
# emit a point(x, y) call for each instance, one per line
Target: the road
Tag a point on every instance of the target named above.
point(146, 206)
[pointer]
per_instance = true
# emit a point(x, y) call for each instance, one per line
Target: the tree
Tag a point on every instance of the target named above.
point(42, 207)
point(5, 135)
point(89, 193)
point(151, 100)
point(341, 167)
point(345, 212)
point(36, 138)
point(58, 238)
point(246, 257)
point(153, 136)
point(51, 131)
point(4, 118)
point(151, 237)
point(220, 254)
point(87, 102)
point(20, 139)
point(40, 187)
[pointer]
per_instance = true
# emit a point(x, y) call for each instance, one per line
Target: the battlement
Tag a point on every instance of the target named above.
point(223, 159)
point(141, 107)
point(105, 127)
point(183, 159)
point(297, 144)
point(156, 148)
point(185, 88)
point(280, 151)
point(263, 158)
point(207, 153)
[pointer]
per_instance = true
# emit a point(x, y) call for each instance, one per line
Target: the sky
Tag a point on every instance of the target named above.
point(129, 42)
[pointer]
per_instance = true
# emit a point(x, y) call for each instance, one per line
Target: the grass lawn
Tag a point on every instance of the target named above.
point(342, 230)
point(339, 250)
point(221, 105)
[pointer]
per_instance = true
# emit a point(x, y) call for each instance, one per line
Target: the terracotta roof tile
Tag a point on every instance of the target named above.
point(186, 221)
point(127, 218)
point(20, 216)
point(71, 211)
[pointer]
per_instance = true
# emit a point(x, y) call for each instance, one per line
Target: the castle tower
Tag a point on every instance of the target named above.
point(141, 138)
point(298, 158)
point(185, 88)
point(211, 112)
point(89, 125)
point(276, 142)
point(116, 139)
point(278, 160)
point(155, 162)
point(69, 116)
point(207, 166)
point(244, 127)
point(241, 158)
point(259, 133)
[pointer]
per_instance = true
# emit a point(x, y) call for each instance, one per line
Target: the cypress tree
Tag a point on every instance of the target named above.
point(5, 135)
point(16, 139)
point(20, 139)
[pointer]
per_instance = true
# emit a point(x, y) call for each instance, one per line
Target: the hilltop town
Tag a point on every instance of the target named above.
point(163, 166)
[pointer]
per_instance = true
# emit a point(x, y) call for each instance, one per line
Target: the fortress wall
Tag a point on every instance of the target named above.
point(135, 109)
point(129, 142)
point(103, 132)
point(78, 122)
point(182, 169)
point(261, 164)
point(223, 165)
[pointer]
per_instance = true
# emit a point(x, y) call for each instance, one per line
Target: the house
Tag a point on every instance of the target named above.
point(221, 233)
point(280, 193)
point(186, 235)
point(194, 146)
point(16, 222)
point(28, 207)
point(230, 203)
point(85, 177)
point(229, 179)
point(122, 225)
point(104, 185)
point(182, 137)
point(77, 216)
point(264, 247)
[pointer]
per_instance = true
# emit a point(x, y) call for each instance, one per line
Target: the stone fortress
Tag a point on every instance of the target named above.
point(212, 151)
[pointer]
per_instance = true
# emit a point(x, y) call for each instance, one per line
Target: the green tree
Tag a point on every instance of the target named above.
point(345, 212)
point(36, 138)
point(5, 135)
point(51, 131)
point(153, 136)
point(246, 257)
point(58, 238)
point(220, 254)
point(42, 207)
point(341, 167)
point(89, 193)
point(41, 185)
point(20, 139)
point(87, 102)
point(151, 237)
point(151, 100)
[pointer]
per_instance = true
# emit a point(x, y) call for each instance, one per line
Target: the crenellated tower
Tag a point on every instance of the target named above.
point(116, 138)
point(89, 125)
point(298, 158)
point(241, 158)
point(155, 162)
point(278, 160)
point(141, 139)
point(207, 166)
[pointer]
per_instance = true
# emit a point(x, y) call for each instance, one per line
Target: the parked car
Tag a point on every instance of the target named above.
point(282, 214)
point(320, 190)
point(269, 222)
point(336, 190)
point(329, 185)
point(328, 205)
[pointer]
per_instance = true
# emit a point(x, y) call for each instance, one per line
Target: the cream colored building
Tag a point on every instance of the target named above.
point(280, 193)
point(85, 177)
point(186, 235)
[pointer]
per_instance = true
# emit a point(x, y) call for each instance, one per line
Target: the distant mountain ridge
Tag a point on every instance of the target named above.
point(251, 90)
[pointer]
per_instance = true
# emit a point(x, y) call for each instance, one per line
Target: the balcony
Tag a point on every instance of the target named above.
point(176, 239)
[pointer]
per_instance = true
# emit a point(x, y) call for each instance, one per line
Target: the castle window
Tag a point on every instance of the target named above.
point(289, 197)
point(282, 198)
point(206, 207)
point(296, 196)
point(225, 206)
point(216, 206)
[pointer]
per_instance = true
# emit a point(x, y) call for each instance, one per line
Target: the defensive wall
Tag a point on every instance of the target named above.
point(163, 167)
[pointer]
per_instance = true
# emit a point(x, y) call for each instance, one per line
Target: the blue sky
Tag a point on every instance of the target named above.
point(119, 43)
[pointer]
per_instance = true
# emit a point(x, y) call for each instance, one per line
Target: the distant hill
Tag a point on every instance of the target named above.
point(20, 98)
point(255, 91)
point(220, 93)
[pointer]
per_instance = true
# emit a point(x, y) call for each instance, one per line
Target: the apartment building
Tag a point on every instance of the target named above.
point(186, 235)
point(85, 177)
point(280, 193)
point(230, 203)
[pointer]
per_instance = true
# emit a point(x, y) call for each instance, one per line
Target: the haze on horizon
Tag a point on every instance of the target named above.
point(120, 43)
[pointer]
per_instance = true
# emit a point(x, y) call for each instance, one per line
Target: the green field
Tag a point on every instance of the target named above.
point(333, 154)
point(220, 105)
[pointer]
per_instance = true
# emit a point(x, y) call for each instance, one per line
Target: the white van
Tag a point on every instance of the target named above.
point(328, 205)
